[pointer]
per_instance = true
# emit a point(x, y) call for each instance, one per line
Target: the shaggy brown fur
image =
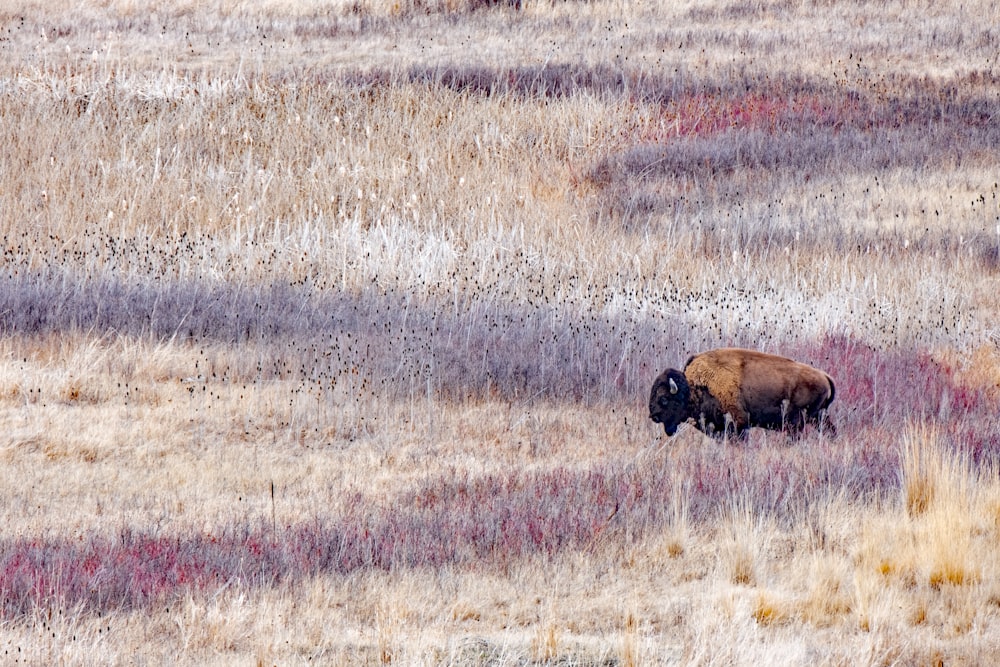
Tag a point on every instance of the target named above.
point(731, 389)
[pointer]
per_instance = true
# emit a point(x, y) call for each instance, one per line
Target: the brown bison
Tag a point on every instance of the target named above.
point(729, 390)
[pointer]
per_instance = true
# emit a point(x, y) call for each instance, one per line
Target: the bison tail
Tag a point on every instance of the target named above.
point(833, 392)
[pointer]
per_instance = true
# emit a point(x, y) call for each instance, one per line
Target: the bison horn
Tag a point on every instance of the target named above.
point(673, 386)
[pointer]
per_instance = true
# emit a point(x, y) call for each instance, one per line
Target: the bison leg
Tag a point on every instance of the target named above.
point(795, 426)
point(734, 429)
point(825, 425)
point(799, 423)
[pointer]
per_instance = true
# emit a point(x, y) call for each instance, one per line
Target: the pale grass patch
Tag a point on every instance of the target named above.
point(678, 531)
point(545, 644)
point(945, 503)
point(186, 448)
point(829, 596)
point(672, 543)
point(875, 607)
point(930, 559)
point(727, 633)
point(744, 543)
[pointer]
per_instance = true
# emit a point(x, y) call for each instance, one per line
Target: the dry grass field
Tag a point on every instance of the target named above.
point(327, 330)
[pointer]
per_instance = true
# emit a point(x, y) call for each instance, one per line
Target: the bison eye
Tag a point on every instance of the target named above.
point(664, 401)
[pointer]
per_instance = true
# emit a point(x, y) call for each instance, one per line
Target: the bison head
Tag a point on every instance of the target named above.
point(668, 400)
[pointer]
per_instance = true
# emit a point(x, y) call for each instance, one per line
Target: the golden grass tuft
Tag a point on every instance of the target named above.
point(978, 368)
point(945, 504)
point(744, 543)
point(629, 655)
point(678, 531)
point(923, 470)
point(674, 546)
point(545, 646)
point(829, 596)
point(769, 610)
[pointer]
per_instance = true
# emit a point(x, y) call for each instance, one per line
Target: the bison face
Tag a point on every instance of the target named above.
point(668, 400)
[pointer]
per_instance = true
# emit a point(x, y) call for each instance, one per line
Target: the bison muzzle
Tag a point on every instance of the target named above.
point(729, 390)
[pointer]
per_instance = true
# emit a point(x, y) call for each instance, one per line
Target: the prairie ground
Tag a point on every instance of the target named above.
point(327, 331)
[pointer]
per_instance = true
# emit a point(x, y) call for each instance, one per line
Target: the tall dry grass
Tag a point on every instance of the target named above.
point(327, 329)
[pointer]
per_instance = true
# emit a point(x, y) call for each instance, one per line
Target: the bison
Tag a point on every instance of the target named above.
point(729, 390)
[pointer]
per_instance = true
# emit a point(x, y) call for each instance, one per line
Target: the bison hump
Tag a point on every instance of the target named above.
point(721, 372)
